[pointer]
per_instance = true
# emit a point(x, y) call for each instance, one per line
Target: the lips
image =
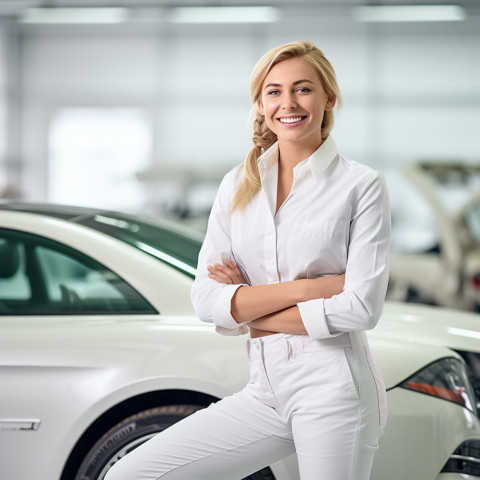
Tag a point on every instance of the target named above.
point(291, 120)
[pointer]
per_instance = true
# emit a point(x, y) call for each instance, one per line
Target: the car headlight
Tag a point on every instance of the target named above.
point(472, 359)
point(447, 379)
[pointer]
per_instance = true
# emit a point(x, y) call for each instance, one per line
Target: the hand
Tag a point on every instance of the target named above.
point(229, 273)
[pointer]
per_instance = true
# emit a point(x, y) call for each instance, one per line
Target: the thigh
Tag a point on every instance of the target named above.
point(336, 428)
point(228, 440)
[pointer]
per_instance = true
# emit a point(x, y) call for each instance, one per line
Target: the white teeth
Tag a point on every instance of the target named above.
point(290, 119)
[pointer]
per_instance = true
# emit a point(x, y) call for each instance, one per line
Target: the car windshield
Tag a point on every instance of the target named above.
point(166, 241)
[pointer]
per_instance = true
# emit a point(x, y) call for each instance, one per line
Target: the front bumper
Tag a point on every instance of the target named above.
point(465, 460)
point(421, 435)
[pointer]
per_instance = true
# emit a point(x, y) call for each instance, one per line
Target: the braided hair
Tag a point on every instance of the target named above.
point(263, 138)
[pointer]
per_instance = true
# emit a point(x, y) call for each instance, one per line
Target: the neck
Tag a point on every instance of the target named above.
point(291, 154)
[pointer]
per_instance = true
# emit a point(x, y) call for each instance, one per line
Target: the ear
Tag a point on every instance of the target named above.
point(330, 102)
point(260, 107)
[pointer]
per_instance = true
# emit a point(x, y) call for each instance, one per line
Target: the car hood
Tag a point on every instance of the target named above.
point(429, 325)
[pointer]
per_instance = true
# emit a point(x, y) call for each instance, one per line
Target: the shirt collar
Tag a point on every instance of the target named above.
point(322, 157)
point(317, 163)
point(267, 159)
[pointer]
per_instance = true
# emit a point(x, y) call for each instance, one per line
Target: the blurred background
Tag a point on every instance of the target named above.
point(142, 106)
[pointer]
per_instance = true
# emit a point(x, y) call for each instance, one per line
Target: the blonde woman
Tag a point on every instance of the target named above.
point(296, 256)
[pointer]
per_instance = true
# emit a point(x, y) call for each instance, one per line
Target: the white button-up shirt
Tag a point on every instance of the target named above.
point(336, 219)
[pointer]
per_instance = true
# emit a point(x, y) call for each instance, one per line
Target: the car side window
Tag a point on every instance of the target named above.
point(39, 276)
point(14, 282)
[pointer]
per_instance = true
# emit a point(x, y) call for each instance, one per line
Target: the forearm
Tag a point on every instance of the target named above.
point(250, 303)
point(288, 320)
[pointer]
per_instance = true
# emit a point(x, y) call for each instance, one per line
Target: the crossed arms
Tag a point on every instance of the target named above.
point(272, 308)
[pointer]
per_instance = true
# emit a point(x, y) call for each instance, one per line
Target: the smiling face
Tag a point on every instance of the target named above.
point(293, 101)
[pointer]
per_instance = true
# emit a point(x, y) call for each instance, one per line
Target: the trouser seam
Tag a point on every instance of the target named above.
point(376, 389)
point(359, 414)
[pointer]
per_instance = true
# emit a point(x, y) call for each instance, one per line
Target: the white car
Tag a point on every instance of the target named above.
point(451, 190)
point(100, 349)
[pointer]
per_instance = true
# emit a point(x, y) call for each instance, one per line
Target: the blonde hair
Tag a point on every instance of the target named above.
point(263, 137)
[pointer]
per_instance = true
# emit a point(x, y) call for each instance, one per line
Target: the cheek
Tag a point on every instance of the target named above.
point(269, 107)
point(270, 123)
point(269, 113)
point(319, 113)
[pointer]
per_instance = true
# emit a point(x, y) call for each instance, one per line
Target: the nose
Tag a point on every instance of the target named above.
point(289, 102)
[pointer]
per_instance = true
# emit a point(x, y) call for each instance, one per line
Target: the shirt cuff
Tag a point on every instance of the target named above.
point(242, 329)
point(222, 316)
point(314, 320)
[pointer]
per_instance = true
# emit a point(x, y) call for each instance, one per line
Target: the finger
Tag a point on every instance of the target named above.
point(228, 273)
point(220, 275)
point(232, 266)
point(224, 269)
point(218, 279)
point(232, 274)
point(237, 276)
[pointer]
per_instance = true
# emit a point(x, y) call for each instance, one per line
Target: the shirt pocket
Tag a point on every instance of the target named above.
point(334, 228)
point(320, 247)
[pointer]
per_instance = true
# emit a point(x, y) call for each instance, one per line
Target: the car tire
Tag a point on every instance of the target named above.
point(128, 434)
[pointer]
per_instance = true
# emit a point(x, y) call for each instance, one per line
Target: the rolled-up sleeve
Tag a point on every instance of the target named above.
point(360, 304)
point(212, 300)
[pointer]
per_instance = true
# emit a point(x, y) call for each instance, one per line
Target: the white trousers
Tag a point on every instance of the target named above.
point(323, 399)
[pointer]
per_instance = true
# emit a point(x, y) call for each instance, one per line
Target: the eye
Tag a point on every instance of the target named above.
point(273, 92)
point(303, 90)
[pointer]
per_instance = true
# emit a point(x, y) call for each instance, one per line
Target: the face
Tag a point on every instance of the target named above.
point(294, 101)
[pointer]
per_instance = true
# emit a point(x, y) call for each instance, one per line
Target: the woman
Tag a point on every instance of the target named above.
point(296, 255)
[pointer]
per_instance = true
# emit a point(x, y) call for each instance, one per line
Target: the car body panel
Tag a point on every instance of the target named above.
point(66, 371)
point(69, 360)
point(459, 330)
point(64, 341)
point(423, 456)
point(87, 377)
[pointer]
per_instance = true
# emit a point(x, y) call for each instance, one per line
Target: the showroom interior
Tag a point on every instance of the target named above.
point(71, 86)
point(137, 109)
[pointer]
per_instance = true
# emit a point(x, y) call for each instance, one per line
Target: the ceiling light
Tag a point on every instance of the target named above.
point(74, 15)
point(409, 13)
point(224, 15)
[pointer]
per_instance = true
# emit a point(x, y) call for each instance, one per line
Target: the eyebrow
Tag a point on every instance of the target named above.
point(294, 83)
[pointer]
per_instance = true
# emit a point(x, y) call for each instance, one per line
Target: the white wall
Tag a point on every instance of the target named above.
point(410, 90)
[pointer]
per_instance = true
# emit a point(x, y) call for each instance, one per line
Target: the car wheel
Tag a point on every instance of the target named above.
point(132, 432)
